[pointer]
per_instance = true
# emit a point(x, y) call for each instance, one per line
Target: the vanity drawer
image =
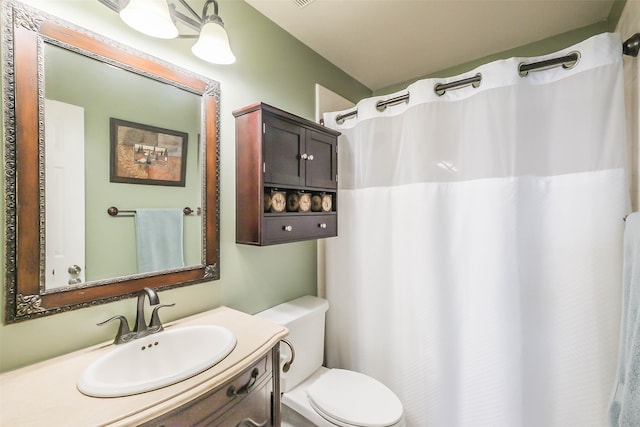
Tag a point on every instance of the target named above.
point(216, 402)
point(255, 410)
point(289, 228)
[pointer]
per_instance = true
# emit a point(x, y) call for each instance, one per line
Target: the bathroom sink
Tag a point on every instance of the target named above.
point(156, 360)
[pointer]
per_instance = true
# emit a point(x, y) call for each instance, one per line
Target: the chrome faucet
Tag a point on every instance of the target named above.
point(141, 329)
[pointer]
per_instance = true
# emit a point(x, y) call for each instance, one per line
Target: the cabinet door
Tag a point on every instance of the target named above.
point(321, 160)
point(283, 144)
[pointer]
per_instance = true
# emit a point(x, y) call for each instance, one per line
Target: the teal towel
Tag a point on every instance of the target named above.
point(159, 239)
point(624, 408)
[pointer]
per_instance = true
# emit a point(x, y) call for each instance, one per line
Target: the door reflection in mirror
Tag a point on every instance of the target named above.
point(64, 194)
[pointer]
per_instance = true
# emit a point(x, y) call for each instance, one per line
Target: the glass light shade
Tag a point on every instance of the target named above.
point(150, 17)
point(213, 45)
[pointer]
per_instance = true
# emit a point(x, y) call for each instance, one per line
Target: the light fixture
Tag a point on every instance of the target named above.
point(213, 43)
point(158, 18)
point(150, 17)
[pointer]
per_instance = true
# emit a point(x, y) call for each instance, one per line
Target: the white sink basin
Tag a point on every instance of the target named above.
point(156, 360)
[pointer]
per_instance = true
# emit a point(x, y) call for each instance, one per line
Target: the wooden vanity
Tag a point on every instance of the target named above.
point(45, 393)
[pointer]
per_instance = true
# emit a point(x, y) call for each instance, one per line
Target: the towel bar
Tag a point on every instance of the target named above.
point(113, 211)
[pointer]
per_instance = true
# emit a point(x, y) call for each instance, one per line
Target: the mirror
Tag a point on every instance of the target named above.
point(82, 173)
point(69, 84)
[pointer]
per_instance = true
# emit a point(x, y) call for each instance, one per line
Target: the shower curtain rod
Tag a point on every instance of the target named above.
point(630, 47)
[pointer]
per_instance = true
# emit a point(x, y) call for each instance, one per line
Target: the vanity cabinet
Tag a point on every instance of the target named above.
point(286, 177)
point(244, 401)
point(242, 390)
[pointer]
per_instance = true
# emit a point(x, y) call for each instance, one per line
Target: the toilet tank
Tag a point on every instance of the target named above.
point(304, 317)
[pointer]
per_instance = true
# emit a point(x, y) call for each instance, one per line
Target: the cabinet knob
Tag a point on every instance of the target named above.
point(287, 228)
point(310, 157)
point(322, 225)
point(303, 156)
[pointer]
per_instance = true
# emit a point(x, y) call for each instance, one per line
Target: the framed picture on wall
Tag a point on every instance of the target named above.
point(143, 154)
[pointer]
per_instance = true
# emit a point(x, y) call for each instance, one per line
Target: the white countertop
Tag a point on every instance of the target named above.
point(45, 394)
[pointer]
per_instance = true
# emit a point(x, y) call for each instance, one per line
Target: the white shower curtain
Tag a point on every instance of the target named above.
point(477, 270)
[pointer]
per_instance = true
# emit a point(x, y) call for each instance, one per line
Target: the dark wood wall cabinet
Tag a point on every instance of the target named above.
point(286, 177)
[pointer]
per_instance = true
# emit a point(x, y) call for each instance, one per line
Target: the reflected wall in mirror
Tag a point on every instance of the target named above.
point(62, 85)
point(74, 80)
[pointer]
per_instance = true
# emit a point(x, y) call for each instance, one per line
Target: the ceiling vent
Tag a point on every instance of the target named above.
point(302, 3)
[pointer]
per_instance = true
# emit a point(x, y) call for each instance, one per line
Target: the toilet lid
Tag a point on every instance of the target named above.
point(353, 399)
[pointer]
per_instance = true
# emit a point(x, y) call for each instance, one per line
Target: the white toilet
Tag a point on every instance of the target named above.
point(315, 395)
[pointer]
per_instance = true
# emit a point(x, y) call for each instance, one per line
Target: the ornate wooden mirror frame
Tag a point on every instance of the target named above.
point(24, 32)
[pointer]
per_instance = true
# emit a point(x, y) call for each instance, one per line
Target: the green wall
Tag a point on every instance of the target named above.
point(272, 67)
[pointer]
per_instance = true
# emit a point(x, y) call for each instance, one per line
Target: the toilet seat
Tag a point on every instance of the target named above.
point(348, 399)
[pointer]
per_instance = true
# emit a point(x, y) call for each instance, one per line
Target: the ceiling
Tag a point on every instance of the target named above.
point(384, 42)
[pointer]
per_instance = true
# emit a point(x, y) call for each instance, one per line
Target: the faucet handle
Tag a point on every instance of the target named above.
point(124, 334)
point(155, 325)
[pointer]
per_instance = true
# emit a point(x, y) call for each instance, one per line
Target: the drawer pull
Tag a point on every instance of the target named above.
point(303, 156)
point(249, 422)
point(322, 225)
point(310, 157)
point(231, 391)
point(287, 228)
